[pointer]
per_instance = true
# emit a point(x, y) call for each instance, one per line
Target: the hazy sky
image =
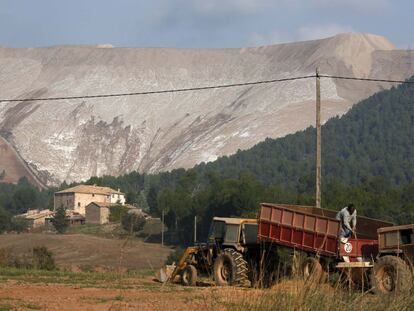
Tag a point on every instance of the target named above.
point(199, 23)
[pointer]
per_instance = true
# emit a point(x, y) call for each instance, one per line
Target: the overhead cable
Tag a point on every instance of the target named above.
point(159, 91)
point(201, 88)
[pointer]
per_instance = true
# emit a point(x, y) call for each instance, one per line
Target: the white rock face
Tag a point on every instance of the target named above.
point(75, 139)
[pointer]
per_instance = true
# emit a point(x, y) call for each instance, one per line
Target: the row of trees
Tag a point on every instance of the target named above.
point(19, 198)
point(241, 197)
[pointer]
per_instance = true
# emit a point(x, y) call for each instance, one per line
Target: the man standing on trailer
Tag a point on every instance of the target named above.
point(347, 217)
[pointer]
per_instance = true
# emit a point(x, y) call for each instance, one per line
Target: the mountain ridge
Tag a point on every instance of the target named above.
point(73, 140)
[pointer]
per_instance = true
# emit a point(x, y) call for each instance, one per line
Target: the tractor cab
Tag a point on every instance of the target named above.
point(235, 233)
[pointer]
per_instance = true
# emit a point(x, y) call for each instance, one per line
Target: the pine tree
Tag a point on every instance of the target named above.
point(60, 222)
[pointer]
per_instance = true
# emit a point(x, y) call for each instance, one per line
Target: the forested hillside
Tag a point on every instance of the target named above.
point(375, 138)
point(368, 159)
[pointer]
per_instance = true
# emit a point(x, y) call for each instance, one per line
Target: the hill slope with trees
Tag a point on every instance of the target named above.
point(375, 138)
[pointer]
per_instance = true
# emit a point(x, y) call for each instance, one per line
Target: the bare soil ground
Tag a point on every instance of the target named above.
point(79, 251)
point(88, 292)
point(64, 291)
point(60, 297)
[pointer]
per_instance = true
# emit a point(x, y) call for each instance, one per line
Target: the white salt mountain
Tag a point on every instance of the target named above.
point(74, 139)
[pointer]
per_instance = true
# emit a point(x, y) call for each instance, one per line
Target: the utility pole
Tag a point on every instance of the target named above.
point(318, 140)
point(195, 229)
point(162, 228)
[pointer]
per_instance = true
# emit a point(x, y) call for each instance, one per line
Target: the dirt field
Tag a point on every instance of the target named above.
point(79, 250)
point(34, 290)
point(64, 291)
point(15, 296)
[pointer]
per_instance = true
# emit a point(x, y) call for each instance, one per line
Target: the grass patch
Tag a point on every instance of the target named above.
point(32, 306)
point(108, 231)
point(18, 303)
point(82, 279)
point(102, 299)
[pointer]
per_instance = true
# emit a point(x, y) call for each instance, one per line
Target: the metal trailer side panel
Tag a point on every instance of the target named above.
point(366, 227)
point(294, 228)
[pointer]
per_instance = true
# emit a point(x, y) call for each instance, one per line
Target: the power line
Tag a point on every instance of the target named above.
point(159, 91)
point(367, 79)
point(204, 88)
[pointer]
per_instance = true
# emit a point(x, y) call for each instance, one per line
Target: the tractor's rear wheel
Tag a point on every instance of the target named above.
point(391, 274)
point(312, 270)
point(230, 268)
point(189, 276)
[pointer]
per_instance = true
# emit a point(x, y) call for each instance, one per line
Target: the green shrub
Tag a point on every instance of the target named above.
point(5, 257)
point(18, 224)
point(43, 259)
point(133, 222)
point(116, 213)
point(60, 221)
point(175, 256)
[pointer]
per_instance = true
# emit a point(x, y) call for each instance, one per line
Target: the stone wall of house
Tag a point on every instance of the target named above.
point(96, 215)
point(83, 199)
point(67, 200)
point(38, 222)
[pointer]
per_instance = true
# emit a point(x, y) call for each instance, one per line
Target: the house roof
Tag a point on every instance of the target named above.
point(90, 189)
point(36, 214)
point(108, 204)
point(102, 204)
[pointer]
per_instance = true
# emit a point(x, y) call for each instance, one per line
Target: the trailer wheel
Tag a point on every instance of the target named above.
point(312, 270)
point(391, 274)
point(230, 268)
point(189, 276)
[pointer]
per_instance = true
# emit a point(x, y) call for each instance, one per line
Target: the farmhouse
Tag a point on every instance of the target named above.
point(36, 218)
point(78, 197)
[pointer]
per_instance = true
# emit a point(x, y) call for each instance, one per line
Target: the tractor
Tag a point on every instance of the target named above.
point(230, 243)
point(393, 269)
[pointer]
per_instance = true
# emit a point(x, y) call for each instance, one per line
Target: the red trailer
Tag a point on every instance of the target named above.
point(316, 232)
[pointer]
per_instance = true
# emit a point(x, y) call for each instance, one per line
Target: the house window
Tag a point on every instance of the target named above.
point(93, 194)
point(78, 204)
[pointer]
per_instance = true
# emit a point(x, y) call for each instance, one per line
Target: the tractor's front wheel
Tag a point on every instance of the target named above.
point(391, 274)
point(230, 268)
point(189, 276)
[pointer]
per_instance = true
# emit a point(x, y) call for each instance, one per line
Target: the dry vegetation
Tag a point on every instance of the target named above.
point(87, 252)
